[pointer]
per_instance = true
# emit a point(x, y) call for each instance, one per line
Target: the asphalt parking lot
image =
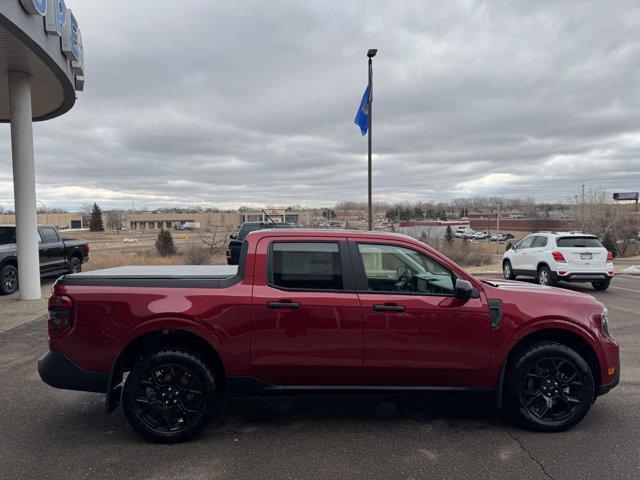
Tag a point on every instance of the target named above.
point(48, 433)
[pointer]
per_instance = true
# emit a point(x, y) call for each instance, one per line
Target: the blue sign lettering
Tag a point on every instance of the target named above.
point(35, 7)
point(55, 17)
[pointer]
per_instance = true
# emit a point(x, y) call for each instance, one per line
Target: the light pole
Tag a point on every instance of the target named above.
point(370, 54)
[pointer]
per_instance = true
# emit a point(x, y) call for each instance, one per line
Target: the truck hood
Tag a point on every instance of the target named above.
point(533, 288)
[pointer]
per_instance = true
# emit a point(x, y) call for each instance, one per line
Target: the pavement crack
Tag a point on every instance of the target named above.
point(531, 457)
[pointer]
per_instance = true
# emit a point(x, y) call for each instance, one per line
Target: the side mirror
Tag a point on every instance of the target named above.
point(464, 290)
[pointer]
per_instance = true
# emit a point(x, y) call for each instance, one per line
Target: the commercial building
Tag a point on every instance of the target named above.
point(41, 67)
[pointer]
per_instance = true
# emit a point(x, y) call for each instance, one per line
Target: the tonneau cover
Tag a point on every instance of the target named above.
point(161, 271)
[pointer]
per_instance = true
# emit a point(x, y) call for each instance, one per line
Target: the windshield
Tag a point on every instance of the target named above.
point(7, 235)
point(578, 242)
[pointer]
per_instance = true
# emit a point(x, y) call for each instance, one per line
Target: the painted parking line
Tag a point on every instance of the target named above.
point(625, 289)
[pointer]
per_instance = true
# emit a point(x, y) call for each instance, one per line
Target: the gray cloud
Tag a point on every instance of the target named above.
point(253, 102)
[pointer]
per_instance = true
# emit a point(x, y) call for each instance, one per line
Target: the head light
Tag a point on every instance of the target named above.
point(604, 322)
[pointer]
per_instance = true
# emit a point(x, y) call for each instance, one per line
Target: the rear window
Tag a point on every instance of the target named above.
point(7, 235)
point(307, 266)
point(578, 242)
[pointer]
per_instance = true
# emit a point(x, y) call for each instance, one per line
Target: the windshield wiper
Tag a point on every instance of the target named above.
point(492, 284)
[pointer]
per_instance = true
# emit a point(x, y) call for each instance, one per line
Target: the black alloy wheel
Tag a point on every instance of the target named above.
point(75, 265)
point(549, 387)
point(8, 279)
point(169, 396)
point(553, 389)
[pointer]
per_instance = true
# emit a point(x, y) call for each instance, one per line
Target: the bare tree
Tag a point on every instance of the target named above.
point(114, 220)
point(215, 238)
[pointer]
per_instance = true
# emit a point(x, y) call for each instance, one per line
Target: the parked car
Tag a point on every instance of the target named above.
point(551, 257)
point(129, 240)
point(56, 255)
point(235, 243)
point(318, 312)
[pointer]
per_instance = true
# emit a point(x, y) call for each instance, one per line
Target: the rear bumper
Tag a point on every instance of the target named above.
point(583, 277)
point(57, 370)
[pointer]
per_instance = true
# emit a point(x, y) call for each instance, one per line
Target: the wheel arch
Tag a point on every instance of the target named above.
point(565, 336)
point(153, 340)
point(9, 261)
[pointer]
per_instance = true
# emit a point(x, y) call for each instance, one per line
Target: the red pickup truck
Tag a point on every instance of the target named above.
point(323, 311)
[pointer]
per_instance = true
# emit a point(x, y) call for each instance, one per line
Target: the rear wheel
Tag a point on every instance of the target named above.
point(602, 285)
point(550, 387)
point(507, 270)
point(545, 277)
point(170, 395)
point(8, 279)
point(75, 265)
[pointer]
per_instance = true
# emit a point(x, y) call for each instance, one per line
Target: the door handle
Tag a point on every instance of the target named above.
point(389, 308)
point(283, 305)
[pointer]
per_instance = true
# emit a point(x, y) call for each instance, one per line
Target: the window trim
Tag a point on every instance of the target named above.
point(348, 282)
point(362, 285)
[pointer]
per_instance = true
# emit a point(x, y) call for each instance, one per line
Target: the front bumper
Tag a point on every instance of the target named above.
point(607, 388)
point(57, 370)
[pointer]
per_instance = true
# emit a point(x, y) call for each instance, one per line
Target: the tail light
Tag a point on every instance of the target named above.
point(60, 315)
point(558, 257)
point(609, 257)
point(87, 247)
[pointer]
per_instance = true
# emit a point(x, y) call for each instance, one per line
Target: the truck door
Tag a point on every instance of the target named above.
point(306, 322)
point(51, 250)
point(415, 332)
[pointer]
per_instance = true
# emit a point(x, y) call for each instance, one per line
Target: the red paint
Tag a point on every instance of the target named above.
point(333, 338)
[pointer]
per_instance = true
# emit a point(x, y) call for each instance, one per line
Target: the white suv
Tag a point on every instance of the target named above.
point(560, 256)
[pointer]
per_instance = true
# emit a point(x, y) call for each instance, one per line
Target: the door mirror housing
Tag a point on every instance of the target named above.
point(464, 290)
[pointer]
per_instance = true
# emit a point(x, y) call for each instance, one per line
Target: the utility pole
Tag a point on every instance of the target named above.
point(498, 231)
point(583, 193)
point(370, 54)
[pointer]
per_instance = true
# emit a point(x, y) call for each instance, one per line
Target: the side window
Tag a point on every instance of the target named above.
point(527, 242)
point(49, 235)
point(540, 242)
point(390, 268)
point(306, 266)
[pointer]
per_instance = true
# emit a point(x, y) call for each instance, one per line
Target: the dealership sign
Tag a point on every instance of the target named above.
point(59, 21)
point(626, 196)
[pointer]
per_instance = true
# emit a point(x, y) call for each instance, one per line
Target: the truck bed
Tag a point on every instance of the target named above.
point(177, 276)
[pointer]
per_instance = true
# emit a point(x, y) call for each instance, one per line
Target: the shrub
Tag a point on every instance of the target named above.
point(164, 244)
point(609, 242)
point(197, 255)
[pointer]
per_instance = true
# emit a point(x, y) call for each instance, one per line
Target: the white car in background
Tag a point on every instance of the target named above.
point(551, 257)
point(129, 240)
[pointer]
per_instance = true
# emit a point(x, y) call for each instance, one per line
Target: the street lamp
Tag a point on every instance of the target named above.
point(370, 54)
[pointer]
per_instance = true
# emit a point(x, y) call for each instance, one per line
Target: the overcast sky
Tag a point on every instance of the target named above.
point(252, 102)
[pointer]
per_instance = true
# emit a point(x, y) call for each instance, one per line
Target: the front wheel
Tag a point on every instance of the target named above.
point(601, 286)
point(170, 395)
point(507, 270)
point(550, 387)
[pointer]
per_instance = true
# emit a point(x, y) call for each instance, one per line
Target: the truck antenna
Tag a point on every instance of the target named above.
point(270, 219)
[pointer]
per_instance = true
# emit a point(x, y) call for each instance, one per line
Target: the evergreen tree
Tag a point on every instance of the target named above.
point(609, 243)
point(95, 221)
point(448, 235)
point(164, 244)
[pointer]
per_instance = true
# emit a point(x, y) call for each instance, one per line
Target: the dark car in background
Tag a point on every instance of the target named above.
point(235, 244)
point(57, 256)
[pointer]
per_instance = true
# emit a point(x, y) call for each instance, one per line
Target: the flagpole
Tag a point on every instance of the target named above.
point(370, 54)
